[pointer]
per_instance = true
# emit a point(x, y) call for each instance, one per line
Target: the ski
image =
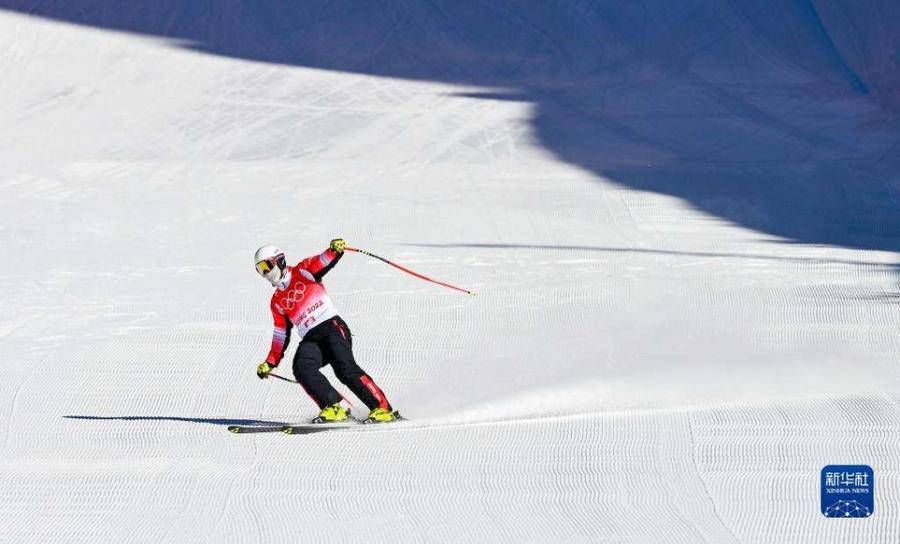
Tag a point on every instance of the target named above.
point(355, 424)
point(300, 428)
point(246, 429)
point(310, 428)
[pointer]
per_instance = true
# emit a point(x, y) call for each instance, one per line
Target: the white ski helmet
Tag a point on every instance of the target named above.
point(270, 263)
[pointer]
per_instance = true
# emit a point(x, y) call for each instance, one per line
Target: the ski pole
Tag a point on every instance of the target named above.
point(407, 270)
point(282, 378)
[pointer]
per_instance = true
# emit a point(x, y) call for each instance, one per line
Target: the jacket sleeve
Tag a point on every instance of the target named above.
point(281, 337)
point(321, 264)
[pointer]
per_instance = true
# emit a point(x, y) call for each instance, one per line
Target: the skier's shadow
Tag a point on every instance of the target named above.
point(203, 420)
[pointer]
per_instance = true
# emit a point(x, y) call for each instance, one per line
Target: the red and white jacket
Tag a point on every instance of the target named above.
point(301, 301)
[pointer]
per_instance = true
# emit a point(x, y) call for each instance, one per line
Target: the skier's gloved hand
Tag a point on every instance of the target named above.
point(263, 370)
point(338, 244)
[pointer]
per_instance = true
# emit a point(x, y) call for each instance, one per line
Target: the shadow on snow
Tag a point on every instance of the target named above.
point(208, 421)
point(664, 252)
point(783, 118)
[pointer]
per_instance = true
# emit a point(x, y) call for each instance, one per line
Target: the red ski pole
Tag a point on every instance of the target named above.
point(407, 270)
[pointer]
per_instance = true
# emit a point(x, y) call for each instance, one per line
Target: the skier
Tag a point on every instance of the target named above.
point(301, 303)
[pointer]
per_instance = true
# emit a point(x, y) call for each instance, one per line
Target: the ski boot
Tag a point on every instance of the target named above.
point(332, 414)
point(380, 415)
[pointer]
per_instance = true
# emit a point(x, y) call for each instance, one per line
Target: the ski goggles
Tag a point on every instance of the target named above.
point(266, 266)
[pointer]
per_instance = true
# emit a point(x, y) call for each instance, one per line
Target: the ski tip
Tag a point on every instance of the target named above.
point(234, 429)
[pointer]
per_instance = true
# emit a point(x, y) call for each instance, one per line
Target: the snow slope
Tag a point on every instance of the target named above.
point(685, 253)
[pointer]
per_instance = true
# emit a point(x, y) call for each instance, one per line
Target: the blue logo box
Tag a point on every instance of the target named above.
point(848, 491)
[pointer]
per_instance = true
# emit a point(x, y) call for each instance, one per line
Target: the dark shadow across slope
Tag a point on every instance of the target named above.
point(780, 117)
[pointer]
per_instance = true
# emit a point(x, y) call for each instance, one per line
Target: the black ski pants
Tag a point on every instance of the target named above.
point(331, 343)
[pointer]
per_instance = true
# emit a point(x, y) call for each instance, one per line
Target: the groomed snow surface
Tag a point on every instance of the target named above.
point(681, 223)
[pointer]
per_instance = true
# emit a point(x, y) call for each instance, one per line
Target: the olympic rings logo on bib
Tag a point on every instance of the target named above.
point(295, 295)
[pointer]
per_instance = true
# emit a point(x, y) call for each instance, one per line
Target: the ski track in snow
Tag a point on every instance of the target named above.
point(631, 369)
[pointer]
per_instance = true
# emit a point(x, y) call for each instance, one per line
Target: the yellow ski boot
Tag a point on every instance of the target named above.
point(380, 415)
point(332, 414)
